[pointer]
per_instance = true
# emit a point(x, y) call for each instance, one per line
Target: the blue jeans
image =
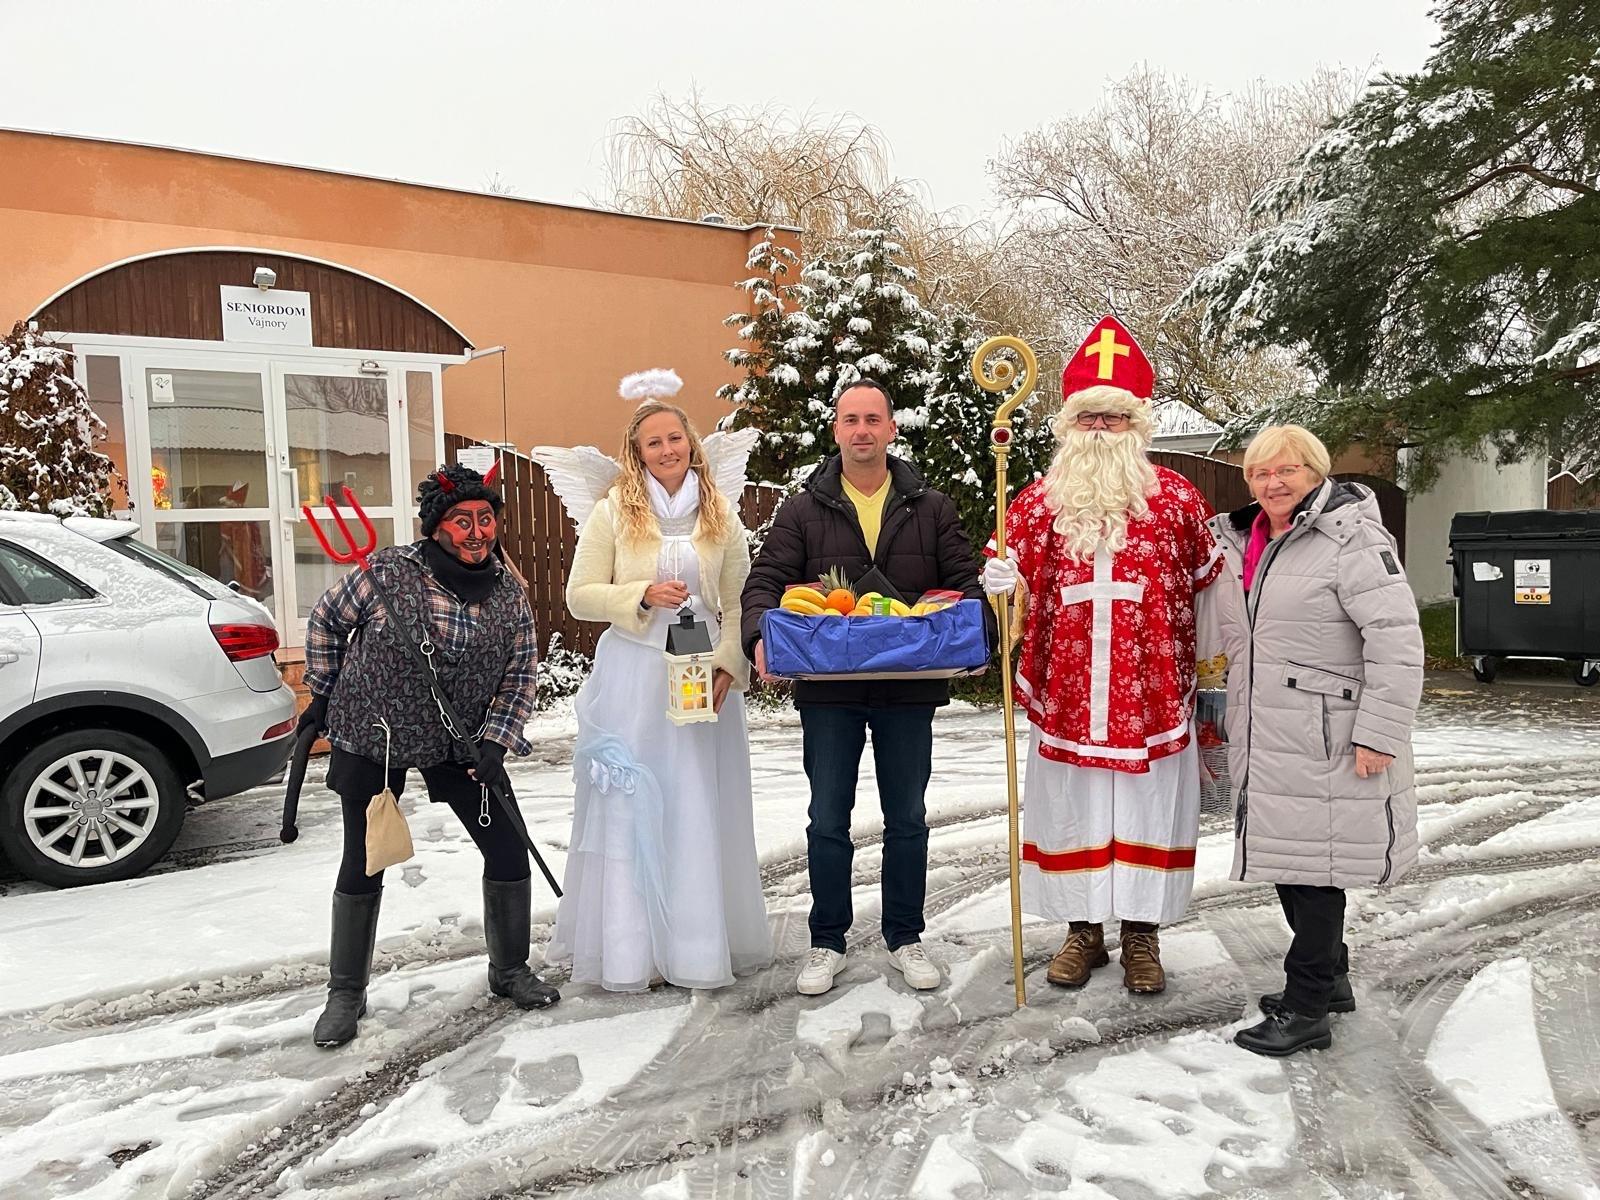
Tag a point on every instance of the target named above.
point(902, 752)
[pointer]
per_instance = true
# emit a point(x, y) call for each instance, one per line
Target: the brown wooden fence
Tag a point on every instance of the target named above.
point(1221, 482)
point(1565, 491)
point(540, 539)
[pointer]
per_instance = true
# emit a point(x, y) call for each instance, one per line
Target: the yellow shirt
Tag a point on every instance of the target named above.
point(869, 510)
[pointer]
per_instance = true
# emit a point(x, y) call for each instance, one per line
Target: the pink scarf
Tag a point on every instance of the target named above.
point(1260, 535)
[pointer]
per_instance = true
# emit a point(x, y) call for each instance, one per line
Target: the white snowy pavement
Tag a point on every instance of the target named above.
point(154, 1036)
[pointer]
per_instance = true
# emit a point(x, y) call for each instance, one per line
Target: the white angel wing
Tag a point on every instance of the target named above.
point(580, 476)
point(728, 454)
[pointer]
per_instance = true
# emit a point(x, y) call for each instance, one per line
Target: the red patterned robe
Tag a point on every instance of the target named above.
point(1106, 674)
point(1106, 671)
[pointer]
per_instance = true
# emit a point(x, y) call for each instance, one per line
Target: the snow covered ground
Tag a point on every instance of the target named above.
point(154, 1035)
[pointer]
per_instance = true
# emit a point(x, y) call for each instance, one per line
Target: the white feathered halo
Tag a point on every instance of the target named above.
point(658, 383)
point(581, 475)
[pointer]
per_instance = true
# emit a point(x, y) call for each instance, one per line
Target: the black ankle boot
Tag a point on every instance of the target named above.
point(506, 929)
point(1342, 1000)
point(1285, 1033)
point(355, 929)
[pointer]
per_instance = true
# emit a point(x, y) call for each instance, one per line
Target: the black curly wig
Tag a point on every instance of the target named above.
point(447, 487)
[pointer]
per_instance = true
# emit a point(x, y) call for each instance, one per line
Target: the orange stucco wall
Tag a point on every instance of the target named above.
point(578, 297)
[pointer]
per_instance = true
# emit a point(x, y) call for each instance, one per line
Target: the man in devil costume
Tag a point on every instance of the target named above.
point(463, 606)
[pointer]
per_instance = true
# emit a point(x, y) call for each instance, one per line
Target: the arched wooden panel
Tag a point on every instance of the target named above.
point(175, 296)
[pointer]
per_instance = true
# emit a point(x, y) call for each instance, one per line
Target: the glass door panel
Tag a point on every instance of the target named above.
point(238, 553)
point(339, 436)
point(209, 496)
point(208, 438)
point(338, 428)
point(314, 571)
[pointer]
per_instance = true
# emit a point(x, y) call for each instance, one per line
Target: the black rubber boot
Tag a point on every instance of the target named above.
point(1285, 1033)
point(355, 929)
point(507, 930)
point(1343, 999)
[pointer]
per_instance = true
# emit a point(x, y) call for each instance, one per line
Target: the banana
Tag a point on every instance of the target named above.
point(831, 612)
point(808, 594)
point(897, 608)
point(795, 604)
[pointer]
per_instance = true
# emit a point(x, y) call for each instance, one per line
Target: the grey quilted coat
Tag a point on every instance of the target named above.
point(1324, 654)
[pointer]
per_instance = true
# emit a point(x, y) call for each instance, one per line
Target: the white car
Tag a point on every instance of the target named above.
point(128, 682)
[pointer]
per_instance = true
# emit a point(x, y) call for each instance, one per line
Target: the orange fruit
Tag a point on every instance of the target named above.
point(841, 600)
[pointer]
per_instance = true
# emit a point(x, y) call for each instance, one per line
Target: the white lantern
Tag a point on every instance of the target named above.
point(689, 671)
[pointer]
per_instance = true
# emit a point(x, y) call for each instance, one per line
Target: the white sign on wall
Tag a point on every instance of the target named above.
point(477, 458)
point(256, 315)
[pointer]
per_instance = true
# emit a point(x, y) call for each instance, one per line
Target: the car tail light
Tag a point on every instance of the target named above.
point(244, 642)
point(278, 730)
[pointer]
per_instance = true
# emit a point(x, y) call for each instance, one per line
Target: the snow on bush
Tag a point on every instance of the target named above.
point(561, 673)
point(47, 432)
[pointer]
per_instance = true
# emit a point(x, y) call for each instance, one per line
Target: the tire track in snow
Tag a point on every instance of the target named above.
point(614, 1142)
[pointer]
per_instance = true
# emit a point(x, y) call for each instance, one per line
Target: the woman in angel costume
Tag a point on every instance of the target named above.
point(661, 880)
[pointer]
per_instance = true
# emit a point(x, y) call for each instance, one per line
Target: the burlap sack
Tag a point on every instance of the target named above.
point(388, 836)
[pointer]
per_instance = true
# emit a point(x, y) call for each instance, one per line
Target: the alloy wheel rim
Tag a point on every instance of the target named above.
point(90, 808)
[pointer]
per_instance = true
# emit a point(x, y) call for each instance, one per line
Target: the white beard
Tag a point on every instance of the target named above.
point(1096, 483)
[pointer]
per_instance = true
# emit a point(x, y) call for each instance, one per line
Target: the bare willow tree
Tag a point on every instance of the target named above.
point(1116, 209)
point(766, 165)
point(822, 173)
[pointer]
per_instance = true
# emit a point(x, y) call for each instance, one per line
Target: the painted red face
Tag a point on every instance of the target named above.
point(468, 531)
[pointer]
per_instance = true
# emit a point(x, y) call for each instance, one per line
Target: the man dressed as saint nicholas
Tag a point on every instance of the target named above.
point(1110, 551)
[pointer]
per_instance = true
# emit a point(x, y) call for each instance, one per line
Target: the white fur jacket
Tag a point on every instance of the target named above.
point(609, 577)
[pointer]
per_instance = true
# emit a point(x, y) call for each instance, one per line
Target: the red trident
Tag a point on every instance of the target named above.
point(356, 553)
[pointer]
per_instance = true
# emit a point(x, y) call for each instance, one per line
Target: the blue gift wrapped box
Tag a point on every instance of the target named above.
point(939, 645)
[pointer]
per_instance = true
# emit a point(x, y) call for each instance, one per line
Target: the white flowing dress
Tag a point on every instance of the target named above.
point(661, 875)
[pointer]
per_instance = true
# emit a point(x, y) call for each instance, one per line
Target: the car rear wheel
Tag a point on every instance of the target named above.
point(90, 806)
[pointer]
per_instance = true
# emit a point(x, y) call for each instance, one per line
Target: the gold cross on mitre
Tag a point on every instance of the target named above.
point(1108, 348)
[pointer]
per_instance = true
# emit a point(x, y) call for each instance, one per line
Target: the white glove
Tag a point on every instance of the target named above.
point(1000, 577)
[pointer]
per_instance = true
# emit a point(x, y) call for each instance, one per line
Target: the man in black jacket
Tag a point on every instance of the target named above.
point(863, 508)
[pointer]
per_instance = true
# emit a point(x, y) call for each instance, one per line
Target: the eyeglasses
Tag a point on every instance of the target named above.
point(1088, 420)
point(1288, 474)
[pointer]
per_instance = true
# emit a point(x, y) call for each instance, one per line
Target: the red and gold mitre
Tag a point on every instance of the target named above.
point(1109, 357)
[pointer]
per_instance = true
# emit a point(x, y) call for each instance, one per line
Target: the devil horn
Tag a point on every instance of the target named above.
point(488, 476)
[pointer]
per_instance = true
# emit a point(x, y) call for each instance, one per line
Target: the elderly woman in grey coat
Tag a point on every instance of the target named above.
point(1324, 674)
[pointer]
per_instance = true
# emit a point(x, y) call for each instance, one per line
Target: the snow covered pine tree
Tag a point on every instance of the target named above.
point(781, 353)
point(48, 462)
point(1434, 255)
point(856, 315)
point(954, 448)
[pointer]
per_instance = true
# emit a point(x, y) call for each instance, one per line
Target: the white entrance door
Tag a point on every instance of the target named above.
point(209, 495)
point(337, 427)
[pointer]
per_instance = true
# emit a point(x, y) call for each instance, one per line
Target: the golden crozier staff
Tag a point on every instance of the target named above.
point(997, 378)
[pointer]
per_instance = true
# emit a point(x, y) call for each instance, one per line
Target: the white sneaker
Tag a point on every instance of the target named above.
point(913, 962)
point(816, 976)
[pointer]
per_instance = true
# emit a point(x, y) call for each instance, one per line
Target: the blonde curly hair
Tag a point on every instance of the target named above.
point(635, 518)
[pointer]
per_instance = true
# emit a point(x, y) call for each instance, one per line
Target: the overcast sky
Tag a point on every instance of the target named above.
point(453, 91)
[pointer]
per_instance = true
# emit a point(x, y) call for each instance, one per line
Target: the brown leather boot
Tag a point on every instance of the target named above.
point(1084, 950)
point(1141, 961)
